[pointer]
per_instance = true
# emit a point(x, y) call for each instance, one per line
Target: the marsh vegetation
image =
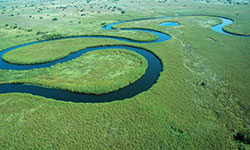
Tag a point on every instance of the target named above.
point(200, 101)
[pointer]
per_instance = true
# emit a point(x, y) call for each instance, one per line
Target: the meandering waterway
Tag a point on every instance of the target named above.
point(143, 84)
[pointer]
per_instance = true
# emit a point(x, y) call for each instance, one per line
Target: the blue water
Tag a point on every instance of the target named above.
point(169, 24)
point(219, 27)
point(143, 84)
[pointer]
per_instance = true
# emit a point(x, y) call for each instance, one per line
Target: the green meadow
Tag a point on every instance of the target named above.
point(200, 101)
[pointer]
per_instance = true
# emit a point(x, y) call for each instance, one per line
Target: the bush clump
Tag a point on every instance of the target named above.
point(52, 36)
point(54, 19)
point(243, 136)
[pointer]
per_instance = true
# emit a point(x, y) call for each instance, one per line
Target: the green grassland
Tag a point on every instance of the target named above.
point(200, 101)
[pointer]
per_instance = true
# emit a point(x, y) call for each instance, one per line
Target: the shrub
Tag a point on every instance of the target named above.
point(52, 36)
point(54, 19)
point(243, 136)
point(40, 32)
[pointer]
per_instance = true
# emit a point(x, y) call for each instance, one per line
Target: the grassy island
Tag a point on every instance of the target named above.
point(96, 72)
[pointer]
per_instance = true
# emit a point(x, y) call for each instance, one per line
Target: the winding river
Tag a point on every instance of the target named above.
point(144, 83)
